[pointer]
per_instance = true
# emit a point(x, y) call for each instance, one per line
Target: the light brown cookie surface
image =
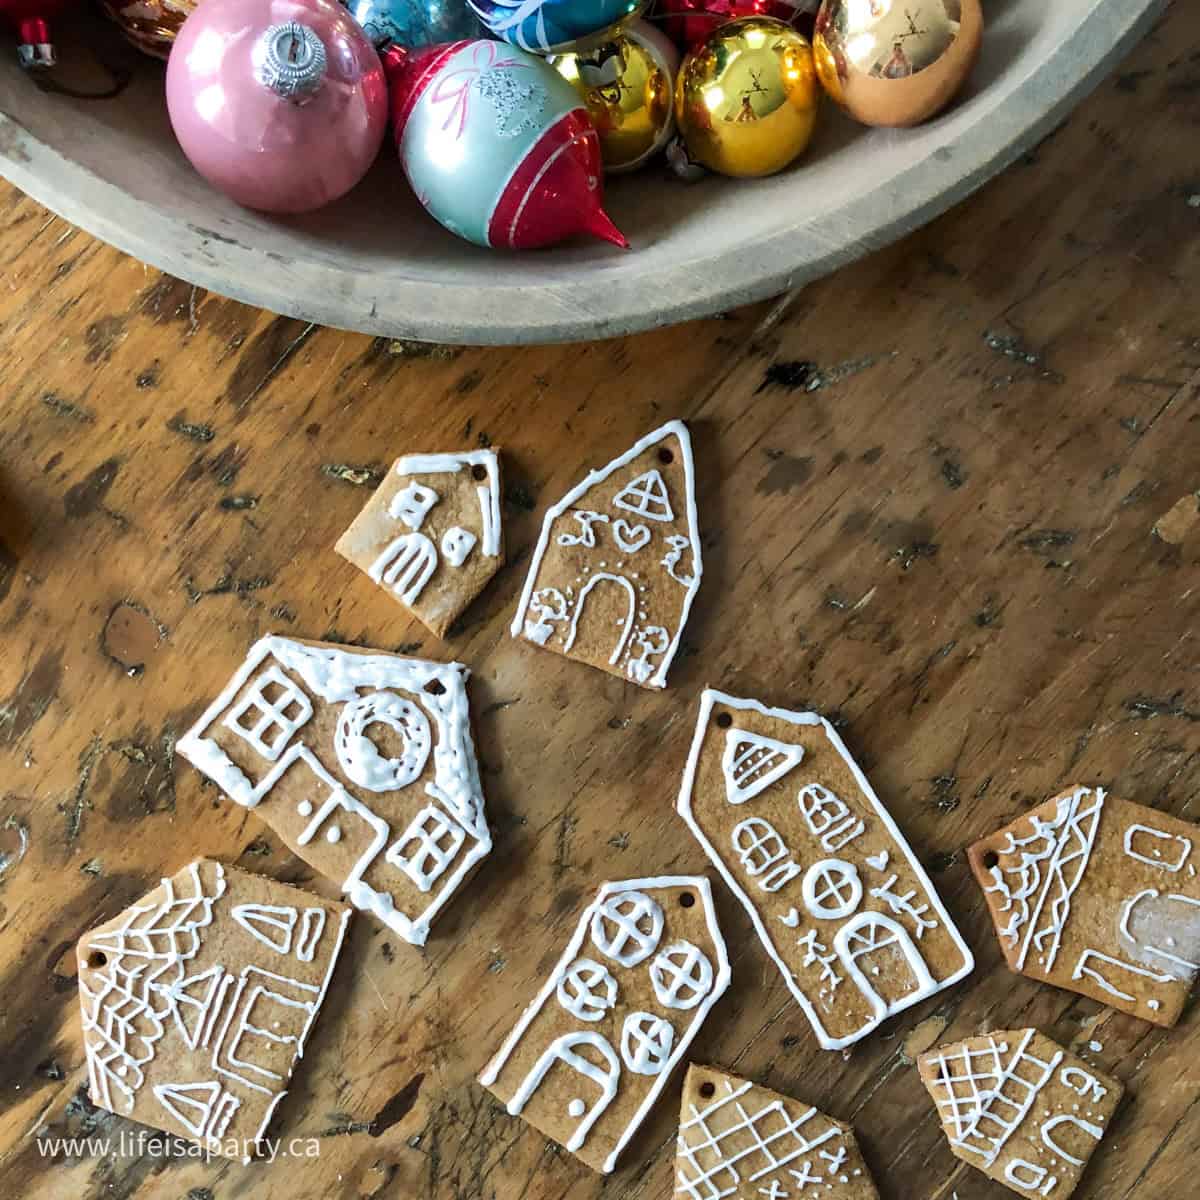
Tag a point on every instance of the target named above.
point(618, 563)
point(590, 1055)
point(362, 762)
point(431, 535)
point(836, 894)
point(1098, 895)
point(197, 1001)
point(739, 1139)
point(1026, 1112)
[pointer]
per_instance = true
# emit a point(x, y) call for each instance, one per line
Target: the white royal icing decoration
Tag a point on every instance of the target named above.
point(412, 504)
point(1154, 845)
point(627, 928)
point(488, 493)
point(587, 990)
point(586, 535)
point(629, 538)
point(682, 975)
point(751, 762)
point(763, 853)
point(646, 1041)
point(831, 889)
point(647, 497)
point(405, 565)
point(358, 755)
point(457, 544)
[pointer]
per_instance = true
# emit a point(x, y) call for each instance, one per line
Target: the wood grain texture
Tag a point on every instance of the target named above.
point(930, 490)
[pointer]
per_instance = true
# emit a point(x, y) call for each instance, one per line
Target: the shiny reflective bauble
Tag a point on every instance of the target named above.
point(151, 25)
point(689, 22)
point(887, 62)
point(415, 23)
point(556, 26)
point(276, 152)
point(746, 99)
point(628, 86)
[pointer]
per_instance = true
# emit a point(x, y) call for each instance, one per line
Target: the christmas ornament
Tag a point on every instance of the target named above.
point(746, 99)
point(151, 25)
point(30, 21)
point(689, 22)
point(628, 85)
point(496, 144)
point(415, 23)
point(282, 104)
point(887, 64)
point(556, 26)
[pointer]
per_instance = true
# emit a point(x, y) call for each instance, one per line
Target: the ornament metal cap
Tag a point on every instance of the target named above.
point(35, 55)
point(290, 60)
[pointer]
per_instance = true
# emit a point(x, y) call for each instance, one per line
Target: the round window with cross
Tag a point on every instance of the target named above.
point(627, 927)
point(587, 990)
point(831, 889)
point(682, 975)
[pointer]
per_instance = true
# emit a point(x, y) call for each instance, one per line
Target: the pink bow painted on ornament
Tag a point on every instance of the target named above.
point(455, 87)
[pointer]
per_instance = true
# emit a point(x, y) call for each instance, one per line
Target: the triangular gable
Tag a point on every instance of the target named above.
point(191, 1104)
point(753, 761)
point(647, 497)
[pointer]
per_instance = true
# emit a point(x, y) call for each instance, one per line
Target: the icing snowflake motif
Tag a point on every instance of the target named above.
point(519, 102)
point(454, 87)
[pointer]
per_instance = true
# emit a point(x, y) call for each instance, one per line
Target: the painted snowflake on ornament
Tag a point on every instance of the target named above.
point(519, 103)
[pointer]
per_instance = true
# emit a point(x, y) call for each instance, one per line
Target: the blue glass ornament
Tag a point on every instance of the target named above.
point(554, 26)
point(415, 23)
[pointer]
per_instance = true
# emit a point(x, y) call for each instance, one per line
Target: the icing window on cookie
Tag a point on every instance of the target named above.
point(1102, 975)
point(763, 853)
point(457, 544)
point(405, 566)
point(647, 496)
point(682, 976)
point(831, 889)
point(1166, 851)
point(426, 848)
point(627, 928)
point(828, 817)
point(646, 1042)
point(412, 504)
point(1030, 1177)
point(587, 990)
point(269, 713)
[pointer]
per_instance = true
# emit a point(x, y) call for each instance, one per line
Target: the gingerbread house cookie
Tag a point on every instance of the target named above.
point(618, 563)
point(1100, 896)
point(739, 1139)
point(362, 762)
point(591, 1054)
point(197, 1002)
point(836, 894)
point(1026, 1112)
point(431, 534)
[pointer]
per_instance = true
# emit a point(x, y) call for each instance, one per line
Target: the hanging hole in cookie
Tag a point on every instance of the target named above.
point(990, 859)
point(97, 959)
point(435, 687)
point(724, 720)
point(708, 1089)
point(665, 456)
point(479, 472)
point(686, 899)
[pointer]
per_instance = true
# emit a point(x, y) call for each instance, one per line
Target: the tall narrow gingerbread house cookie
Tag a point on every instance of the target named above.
point(362, 762)
point(836, 894)
point(198, 1000)
point(431, 535)
point(1100, 896)
point(738, 1139)
point(1026, 1112)
point(591, 1054)
point(618, 563)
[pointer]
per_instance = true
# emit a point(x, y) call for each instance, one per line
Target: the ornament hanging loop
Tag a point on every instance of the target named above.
point(290, 60)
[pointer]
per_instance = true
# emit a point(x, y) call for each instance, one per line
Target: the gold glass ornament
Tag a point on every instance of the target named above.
point(896, 62)
point(746, 98)
point(151, 25)
point(627, 84)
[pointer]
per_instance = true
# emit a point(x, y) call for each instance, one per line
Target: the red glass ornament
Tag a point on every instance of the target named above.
point(30, 21)
point(689, 22)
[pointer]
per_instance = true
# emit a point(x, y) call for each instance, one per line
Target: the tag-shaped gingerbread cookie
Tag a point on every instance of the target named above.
point(591, 1054)
point(1100, 896)
point(835, 892)
point(362, 762)
point(618, 563)
point(738, 1139)
point(1023, 1110)
point(197, 1002)
point(431, 534)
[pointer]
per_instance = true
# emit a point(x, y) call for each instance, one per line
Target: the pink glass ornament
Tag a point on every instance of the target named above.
point(281, 104)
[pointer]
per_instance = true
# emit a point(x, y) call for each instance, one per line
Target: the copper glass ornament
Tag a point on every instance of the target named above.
point(151, 25)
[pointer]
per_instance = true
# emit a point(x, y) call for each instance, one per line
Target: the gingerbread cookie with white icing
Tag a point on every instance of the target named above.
point(1100, 896)
point(588, 1058)
point(1026, 1112)
point(362, 762)
point(431, 535)
point(739, 1139)
point(837, 896)
point(617, 564)
point(197, 1002)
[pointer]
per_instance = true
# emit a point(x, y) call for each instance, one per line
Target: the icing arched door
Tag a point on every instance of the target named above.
point(868, 937)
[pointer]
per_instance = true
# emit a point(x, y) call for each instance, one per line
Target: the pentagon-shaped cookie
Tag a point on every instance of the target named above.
point(1100, 896)
point(197, 1002)
point(431, 535)
point(1026, 1112)
point(835, 892)
point(362, 762)
point(590, 1055)
point(739, 1139)
point(617, 565)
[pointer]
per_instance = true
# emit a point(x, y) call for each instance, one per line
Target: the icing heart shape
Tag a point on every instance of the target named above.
point(791, 918)
point(878, 861)
point(630, 537)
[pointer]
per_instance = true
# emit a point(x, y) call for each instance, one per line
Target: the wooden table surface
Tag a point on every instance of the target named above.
point(948, 497)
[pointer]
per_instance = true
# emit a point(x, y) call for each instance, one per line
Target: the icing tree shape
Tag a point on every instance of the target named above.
point(737, 1139)
point(1020, 1108)
point(589, 1057)
point(617, 565)
point(835, 892)
point(1100, 896)
point(197, 1002)
point(363, 763)
point(431, 534)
